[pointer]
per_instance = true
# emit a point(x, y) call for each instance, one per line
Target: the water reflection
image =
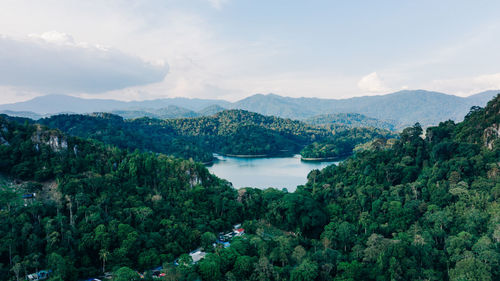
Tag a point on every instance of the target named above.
point(282, 172)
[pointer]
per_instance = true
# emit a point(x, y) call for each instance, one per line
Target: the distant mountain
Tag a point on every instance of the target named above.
point(351, 120)
point(211, 110)
point(483, 97)
point(26, 114)
point(132, 114)
point(405, 107)
point(51, 104)
point(169, 112)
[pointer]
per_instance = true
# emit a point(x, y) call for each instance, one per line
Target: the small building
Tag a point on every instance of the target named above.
point(239, 232)
point(40, 275)
point(197, 255)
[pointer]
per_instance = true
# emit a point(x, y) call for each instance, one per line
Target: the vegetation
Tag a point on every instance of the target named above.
point(342, 142)
point(139, 134)
point(233, 132)
point(419, 209)
point(99, 207)
point(351, 120)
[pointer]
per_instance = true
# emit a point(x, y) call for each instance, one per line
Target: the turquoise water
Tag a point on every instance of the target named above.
point(280, 172)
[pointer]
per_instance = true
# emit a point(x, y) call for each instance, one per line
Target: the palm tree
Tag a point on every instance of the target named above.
point(104, 254)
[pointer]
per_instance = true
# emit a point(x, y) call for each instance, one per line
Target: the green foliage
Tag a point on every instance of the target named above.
point(144, 134)
point(100, 207)
point(421, 209)
point(342, 142)
point(351, 120)
point(231, 132)
point(125, 274)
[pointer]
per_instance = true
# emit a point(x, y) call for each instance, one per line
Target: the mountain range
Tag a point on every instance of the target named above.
point(401, 108)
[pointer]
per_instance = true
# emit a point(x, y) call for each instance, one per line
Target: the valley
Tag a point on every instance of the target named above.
point(84, 195)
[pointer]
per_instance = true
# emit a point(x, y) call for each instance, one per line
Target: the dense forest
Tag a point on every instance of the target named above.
point(140, 134)
point(96, 206)
point(231, 132)
point(422, 208)
point(342, 141)
point(351, 120)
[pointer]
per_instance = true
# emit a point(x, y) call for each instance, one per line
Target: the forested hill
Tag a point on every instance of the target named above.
point(98, 206)
point(427, 209)
point(129, 134)
point(240, 132)
point(351, 120)
point(235, 132)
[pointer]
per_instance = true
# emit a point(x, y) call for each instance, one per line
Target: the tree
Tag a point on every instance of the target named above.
point(298, 254)
point(17, 270)
point(210, 268)
point(243, 266)
point(264, 271)
point(104, 255)
point(207, 241)
point(307, 270)
point(125, 274)
point(471, 269)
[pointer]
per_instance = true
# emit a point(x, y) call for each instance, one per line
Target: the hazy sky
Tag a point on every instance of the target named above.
point(140, 49)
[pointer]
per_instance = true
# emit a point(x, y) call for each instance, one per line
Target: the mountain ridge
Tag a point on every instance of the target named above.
point(406, 107)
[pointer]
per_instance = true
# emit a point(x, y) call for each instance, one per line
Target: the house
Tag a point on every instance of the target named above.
point(239, 232)
point(197, 255)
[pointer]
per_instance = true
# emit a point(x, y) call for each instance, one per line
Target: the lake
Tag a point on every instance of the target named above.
point(277, 172)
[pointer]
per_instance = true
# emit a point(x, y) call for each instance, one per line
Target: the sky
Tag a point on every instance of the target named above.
point(231, 49)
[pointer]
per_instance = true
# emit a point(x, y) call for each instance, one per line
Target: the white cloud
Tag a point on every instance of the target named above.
point(16, 94)
point(218, 4)
point(372, 83)
point(467, 85)
point(54, 63)
point(54, 37)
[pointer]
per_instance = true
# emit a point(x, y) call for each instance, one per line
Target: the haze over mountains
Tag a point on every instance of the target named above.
point(401, 108)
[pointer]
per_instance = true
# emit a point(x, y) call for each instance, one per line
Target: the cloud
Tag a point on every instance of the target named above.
point(372, 83)
point(467, 85)
point(54, 62)
point(218, 3)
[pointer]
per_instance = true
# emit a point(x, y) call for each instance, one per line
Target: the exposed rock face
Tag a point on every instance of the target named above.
point(194, 178)
point(3, 141)
point(490, 135)
point(53, 139)
point(3, 130)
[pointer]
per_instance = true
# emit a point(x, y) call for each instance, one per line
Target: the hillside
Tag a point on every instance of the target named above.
point(351, 120)
point(94, 207)
point(232, 132)
point(240, 132)
point(425, 209)
point(129, 134)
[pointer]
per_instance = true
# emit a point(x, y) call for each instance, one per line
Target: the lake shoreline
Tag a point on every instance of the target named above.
point(323, 158)
point(247, 155)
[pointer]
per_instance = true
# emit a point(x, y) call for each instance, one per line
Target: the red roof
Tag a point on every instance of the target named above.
point(240, 230)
